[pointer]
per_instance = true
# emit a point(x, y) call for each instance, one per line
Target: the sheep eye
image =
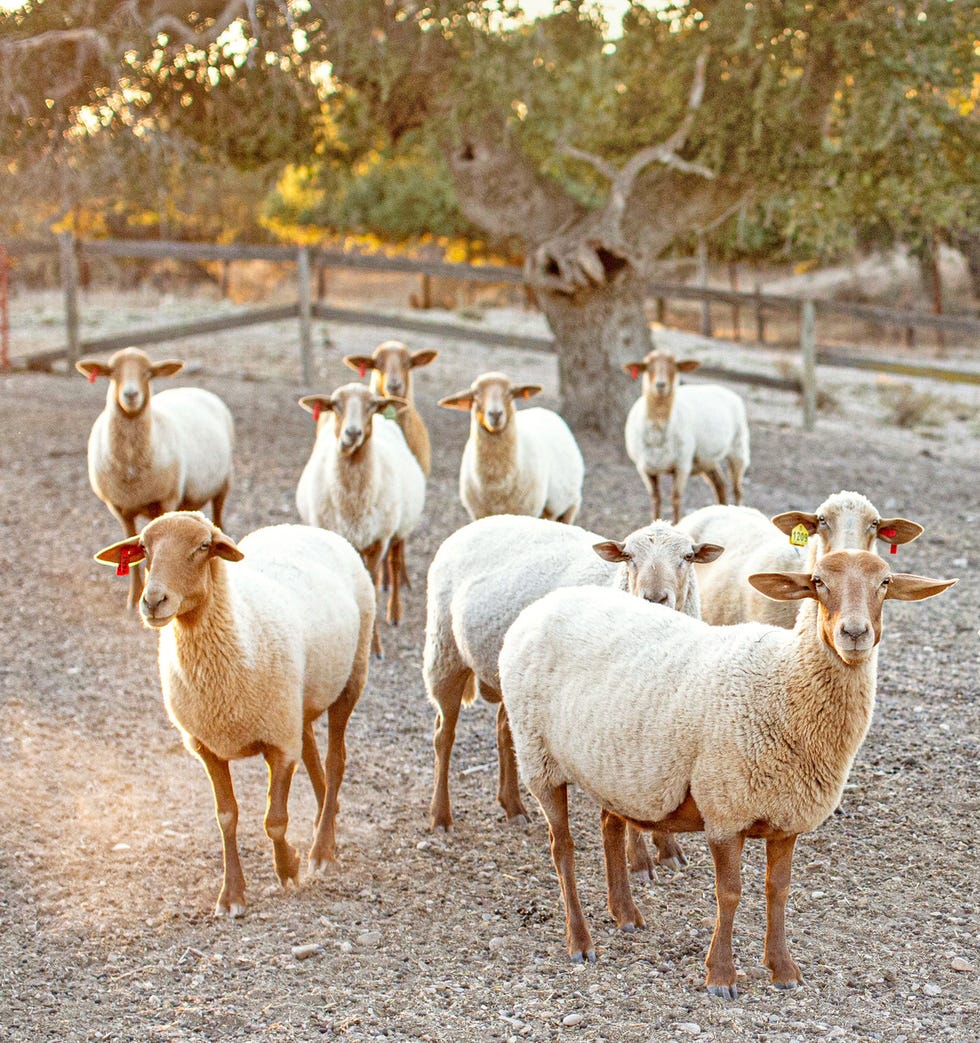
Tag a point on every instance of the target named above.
point(817, 581)
point(875, 524)
point(206, 545)
point(689, 556)
point(821, 520)
point(886, 581)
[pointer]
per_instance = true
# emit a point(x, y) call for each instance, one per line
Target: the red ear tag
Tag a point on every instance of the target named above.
point(888, 534)
point(634, 372)
point(361, 370)
point(316, 411)
point(125, 555)
point(92, 376)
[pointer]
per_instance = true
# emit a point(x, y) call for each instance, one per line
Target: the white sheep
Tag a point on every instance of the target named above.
point(753, 543)
point(480, 579)
point(684, 431)
point(514, 462)
point(256, 642)
point(669, 723)
point(390, 365)
point(148, 453)
point(362, 481)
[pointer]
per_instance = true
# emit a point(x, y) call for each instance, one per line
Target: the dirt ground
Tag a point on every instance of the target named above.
point(111, 857)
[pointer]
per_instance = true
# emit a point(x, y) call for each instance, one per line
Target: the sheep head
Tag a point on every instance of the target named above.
point(391, 364)
point(660, 370)
point(130, 372)
point(353, 407)
point(849, 521)
point(490, 399)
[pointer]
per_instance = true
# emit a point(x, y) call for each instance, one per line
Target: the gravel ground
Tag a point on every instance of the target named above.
point(112, 857)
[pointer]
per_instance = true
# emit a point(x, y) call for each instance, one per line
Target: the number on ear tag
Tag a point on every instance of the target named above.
point(799, 537)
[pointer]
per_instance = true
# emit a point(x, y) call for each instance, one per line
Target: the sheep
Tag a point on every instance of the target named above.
point(684, 431)
point(391, 364)
point(257, 640)
point(147, 453)
point(669, 723)
point(516, 463)
point(844, 521)
point(480, 579)
point(362, 481)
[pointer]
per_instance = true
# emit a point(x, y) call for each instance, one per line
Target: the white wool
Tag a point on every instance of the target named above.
point(639, 705)
point(547, 476)
point(387, 498)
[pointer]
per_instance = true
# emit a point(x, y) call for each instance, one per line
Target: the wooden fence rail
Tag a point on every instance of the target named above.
point(308, 260)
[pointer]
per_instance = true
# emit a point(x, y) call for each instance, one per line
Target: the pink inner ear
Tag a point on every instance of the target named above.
point(92, 376)
point(316, 411)
point(634, 372)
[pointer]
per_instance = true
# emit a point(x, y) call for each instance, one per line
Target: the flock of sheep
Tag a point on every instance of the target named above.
point(716, 674)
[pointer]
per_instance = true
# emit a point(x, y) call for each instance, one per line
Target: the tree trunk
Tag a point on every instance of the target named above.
point(597, 330)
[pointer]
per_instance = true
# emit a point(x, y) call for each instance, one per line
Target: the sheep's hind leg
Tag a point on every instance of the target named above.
point(284, 855)
point(231, 901)
point(669, 852)
point(641, 862)
point(314, 766)
point(652, 482)
point(447, 693)
point(324, 847)
point(736, 468)
point(779, 866)
point(395, 566)
point(218, 504)
point(716, 480)
point(373, 561)
point(727, 855)
point(508, 784)
point(554, 804)
point(618, 894)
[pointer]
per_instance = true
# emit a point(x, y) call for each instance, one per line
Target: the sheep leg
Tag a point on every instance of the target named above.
point(448, 696)
point(669, 852)
point(231, 901)
point(284, 855)
point(652, 482)
point(716, 480)
point(218, 504)
point(313, 765)
point(638, 855)
point(737, 469)
point(372, 557)
point(618, 894)
point(395, 561)
point(128, 523)
point(727, 855)
point(568, 516)
point(554, 804)
point(677, 491)
point(779, 867)
point(508, 786)
point(324, 847)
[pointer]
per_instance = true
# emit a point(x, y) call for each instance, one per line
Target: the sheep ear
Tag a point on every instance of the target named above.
point(362, 363)
point(784, 586)
point(166, 368)
point(423, 358)
point(906, 587)
point(688, 365)
point(526, 391)
point(898, 530)
point(461, 400)
point(610, 550)
point(92, 368)
point(787, 522)
point(223, 546)
point(705, 552)
point(314, 403)
point(131, 549)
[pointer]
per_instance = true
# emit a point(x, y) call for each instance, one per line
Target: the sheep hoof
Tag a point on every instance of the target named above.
point(443, 827)
point(673, 863)
point(583, 957)
point(786, 986)
point(725, 992)
point(628, 928)
point(518, 821)
point(233, 911)
point(643, 876)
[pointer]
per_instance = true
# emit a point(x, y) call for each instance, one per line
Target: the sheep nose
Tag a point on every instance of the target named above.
point(660, 386)
point(153, 598)
point(494, 416)
point(855, 629)
point(351, 434)
point(658, 598)
point(393, 386)
point(130, 396)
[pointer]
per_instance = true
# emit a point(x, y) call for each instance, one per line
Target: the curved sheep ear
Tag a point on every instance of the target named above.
point(688, 365)
point(223, 546)
point(315, 403)
point(610, 550)
point(898, 530)
point(526, 391)
point(906, 587)
point(787, 522)
point(461, 400)
point(422, 358)
point(784, 586)
point(705, 552)
point(634, 369)
point(362, 363)
point(126, 552)
point(166, 368)
point(92, 368)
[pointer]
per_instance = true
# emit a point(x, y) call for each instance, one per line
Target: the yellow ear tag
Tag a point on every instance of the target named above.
point(799, 537)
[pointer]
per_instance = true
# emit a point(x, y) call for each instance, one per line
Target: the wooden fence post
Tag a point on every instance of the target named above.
point(69, 286)
point(808, 353)
point(760, 318)
point(305, 313)
point(703, 283)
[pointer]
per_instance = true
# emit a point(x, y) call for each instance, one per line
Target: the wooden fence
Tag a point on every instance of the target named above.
point(309, 260)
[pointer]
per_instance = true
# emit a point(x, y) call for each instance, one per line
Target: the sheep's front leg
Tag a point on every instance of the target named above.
point(652, 482)
point(372, 557)
point(284, 855)
point(395, 566)
point(779, 867)
point(508, 786)
point(618, 894)
point(554, 804)
point(324, 847)
point(727, 855)
point(681, 476)
point(717, 482)
point(231, 901)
